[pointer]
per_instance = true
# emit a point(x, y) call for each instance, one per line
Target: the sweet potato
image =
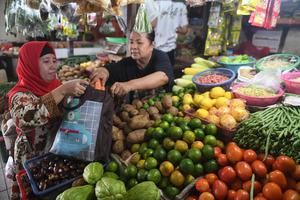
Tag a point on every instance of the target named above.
point(118, 146)
point(167, 101)
point(125, 116)
point(138, 122)
point(118, 135)
point(137, 103)
point(117, 121)
point(152, 110)
point(173, 110)
point(136, 136)
point(159, 106)
point(133, 112)
point(143, 112)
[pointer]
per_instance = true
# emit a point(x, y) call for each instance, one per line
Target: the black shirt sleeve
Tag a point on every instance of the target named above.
point(118, 71)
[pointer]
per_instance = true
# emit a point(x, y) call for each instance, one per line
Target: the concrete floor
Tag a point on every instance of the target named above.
point(5, 184)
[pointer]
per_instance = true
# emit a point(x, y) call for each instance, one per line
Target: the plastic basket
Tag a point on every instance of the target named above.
point(220, 71)
point(291, 86)
point(24, 185)
point(235, 67)
point(293, 59)
point(51, 192)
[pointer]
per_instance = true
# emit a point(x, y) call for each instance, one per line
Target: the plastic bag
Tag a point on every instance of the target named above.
point(9, 168)
point(269, 79)
point(142, 25)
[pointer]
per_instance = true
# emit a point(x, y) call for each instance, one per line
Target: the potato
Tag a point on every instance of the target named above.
point(138, 103)
point(133, 112)
point(150, 123)
point(159, 106)
point(136, 136)
point(125, 116)
point(152, 110)
point(138, 122)
point(156, 116)
point(125, 155)
point(173, 110)
point(117, 121)
point(118, 135)
point(127, 107)
point(167, 101)
point(118, 146)
point(143, 112)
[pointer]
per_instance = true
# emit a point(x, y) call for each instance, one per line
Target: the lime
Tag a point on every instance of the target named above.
point(186, 166)
point(163, 183)
point(176, 178)
point(168, 117)
point(171, 192)
point(157, 122)
point(211, 129)
point(111, 175)
point(208, 152)
point(189, 137)
point(199, 133)
point(146, 106)
point(112, 167)
point(131, 182)
point(181, 146)
point(142, 175)
point(123, 173)
point(195, 155)
point(168, 143)
point(184, 127)
point(131, 171)
point(203, 127)
point(140, 164)
point(154, 175)
point(195, 123)
point(150, 163)
point(210, 139)
point(178, 120)
point(220, 144)
point(175, 132)
point(148, 153)
point(160, 154)
point(174, 156)
point(151, 102)
point(198, 170)
point(164, 125)
point(149, 132)
point(189, 179)
point(211, 166)
point(153, 143)
point(135, 148)
point(143, 148)
point(158, 133)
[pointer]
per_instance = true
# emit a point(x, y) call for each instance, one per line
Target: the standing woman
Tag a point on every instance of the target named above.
point(33, 102)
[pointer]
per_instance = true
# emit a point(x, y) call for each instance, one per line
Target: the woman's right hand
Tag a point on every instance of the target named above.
point(101, 74)
point(75, 87)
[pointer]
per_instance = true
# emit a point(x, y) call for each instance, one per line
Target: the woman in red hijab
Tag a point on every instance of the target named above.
point(33, 102)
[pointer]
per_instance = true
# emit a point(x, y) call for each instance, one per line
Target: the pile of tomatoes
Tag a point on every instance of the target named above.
point(273, 178)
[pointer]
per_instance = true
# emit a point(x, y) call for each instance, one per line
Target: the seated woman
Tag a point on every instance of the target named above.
point(146, 69)
point(33, 102)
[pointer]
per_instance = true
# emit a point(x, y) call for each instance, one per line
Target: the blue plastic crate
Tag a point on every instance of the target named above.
point(51, 192)
point(235, 66)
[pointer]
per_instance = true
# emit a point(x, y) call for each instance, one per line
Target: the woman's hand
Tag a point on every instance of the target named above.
point(121, 89)
point(99, 73)
point(75, 87)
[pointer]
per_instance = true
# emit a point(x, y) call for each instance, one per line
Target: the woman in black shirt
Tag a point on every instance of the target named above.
point(147, 68)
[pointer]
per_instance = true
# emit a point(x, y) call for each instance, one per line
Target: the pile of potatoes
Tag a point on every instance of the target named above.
point(131, 123)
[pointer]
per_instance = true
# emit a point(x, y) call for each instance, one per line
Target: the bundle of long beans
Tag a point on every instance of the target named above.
point(275, 130)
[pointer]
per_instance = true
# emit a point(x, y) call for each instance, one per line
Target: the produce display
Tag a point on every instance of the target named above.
point(212, 79)
point(240, 59)
point(246, 175)
point(255, 91)
point(278, 61)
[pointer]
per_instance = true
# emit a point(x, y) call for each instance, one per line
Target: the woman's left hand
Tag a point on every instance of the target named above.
point(120, 88)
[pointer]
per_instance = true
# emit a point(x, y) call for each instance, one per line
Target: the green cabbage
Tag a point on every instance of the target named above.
point(93, 172)
point(85, 192)
point(110, 189)
point(143, 191)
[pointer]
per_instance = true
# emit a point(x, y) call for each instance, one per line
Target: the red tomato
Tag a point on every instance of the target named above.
point(193, 197)
point(222, 160)
point(279, 178)
point(236, 184)
point(234, 153)
point(296, 173)
point(259, 198)
point(247, 186)
point(259, 168)
point(260, 194)
point(285, 164)
point(231, 194)
point(241, 195)
point(291, 195)
point(243, 170)
point(268, 161)
point(272, 191)
point(206, 196)
point(291, 183)
point(218, 151)
point(211, 178)
point(249, 156)
point(219, 190)
point(202, 185)
point(227, 174)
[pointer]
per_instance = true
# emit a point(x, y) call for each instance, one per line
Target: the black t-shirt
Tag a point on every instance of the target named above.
point(127, 69)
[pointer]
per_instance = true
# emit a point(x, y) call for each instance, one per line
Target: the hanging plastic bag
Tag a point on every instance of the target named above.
point(269, 79)
point(142, 25)
point(9, 168)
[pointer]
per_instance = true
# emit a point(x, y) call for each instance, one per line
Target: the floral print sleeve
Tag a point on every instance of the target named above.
point(29, 111)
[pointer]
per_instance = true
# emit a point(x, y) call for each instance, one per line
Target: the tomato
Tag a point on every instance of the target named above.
point(298, 187)
point(206, 196)
point(231, 194)
point(259, 168)
point(260, 194)
point(285, 164)
point(268, 161)
point(193, 197)
point(249, 156)
point(247, 186)
point(222, 160)
point(236, 184)
point(291, 183)
point(218, 151)
point(272, 191)
point(241, 195)
point(211, 177)
point(219, 190)
point(227, 174)
point(296, 173)
point(234, 153)
point(279, 178)
point(202, 185)
point(291, 195)
point(243, 170)
point(259, 198)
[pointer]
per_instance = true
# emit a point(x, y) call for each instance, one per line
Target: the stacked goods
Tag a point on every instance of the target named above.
point(246, 175)
point(274, 130)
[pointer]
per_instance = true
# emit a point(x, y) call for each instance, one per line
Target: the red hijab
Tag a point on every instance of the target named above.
point(28, 71)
